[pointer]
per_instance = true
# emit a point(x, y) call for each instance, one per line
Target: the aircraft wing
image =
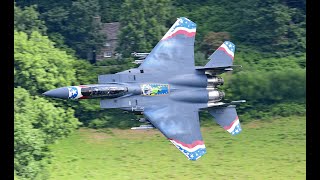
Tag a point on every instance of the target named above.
point(180, 124)
point(175, 51)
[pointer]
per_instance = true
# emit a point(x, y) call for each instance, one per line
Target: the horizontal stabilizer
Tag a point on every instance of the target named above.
point(227, 118)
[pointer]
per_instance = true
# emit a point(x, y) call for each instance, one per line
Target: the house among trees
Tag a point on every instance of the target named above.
point(111, 30)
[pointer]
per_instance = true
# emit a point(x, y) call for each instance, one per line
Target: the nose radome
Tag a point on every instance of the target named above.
point(62, 93)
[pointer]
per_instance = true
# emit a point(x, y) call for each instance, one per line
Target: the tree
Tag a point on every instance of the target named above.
point(143, 24)
point(82, 32)
point(37, 123)
point(39, 66)
point(270, 26)
point(75, 22)
point(265, 89)
point(72, 23)
point(212, 40)
point(110, 10)
point(27, 20)
point(273, 27)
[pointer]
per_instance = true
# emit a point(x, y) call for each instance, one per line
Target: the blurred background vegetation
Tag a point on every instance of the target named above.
point(52, 38)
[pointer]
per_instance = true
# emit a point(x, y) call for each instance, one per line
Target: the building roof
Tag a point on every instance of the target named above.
point(111, 30)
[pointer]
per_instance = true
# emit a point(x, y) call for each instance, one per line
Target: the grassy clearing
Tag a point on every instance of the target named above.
point(269, 149)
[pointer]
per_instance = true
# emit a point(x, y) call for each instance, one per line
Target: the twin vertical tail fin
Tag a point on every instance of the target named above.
point(221, 60)
point(223, 56)
point(226, 115)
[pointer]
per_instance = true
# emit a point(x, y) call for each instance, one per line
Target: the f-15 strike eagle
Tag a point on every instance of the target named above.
point(169, 90)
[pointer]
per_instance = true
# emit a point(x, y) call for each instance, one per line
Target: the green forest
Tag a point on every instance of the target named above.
point(52, 39)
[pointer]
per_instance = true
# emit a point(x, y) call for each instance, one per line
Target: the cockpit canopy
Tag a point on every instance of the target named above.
point(104, 91)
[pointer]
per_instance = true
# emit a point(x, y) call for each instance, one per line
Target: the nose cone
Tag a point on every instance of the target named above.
point(62, 93)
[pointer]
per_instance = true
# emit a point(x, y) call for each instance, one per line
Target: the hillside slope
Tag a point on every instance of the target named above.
point(269, 149)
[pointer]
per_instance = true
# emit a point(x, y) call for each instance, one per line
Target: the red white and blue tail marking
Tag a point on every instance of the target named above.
point(193, 151)
point(228, 47)
point(181, 26)
point(223, 56)
point(234, 128)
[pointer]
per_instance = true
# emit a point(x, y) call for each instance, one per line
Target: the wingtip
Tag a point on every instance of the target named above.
point(237, 130)
point(192, 151)
point(185, 18)
point(227, 42)
point(195, 158)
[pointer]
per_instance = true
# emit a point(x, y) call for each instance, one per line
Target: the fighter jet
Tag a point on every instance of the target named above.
point(169, 90)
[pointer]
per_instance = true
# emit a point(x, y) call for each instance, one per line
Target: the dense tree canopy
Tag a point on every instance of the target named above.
point(110, 11)
point(272, 27)
point(76, 23)
point(27, 20)
point(37, 123)
point(72, 24)
point(143, 24)
point(38, 66)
